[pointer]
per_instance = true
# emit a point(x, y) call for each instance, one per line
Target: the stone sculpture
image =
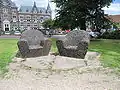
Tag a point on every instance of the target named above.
point(75, 44)
point(32, 43)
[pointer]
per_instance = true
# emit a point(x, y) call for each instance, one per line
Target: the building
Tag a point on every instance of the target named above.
point(115, 18)
point(33, 16)
point(23, 19)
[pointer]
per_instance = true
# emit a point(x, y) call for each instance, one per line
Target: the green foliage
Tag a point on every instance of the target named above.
point(75, 13)
point(8, 47)
point(12, 32)
point(54, 48)
point(110, 52)
point(118, 25)
point(2, 32)
point(111, 35)
point(48, 24)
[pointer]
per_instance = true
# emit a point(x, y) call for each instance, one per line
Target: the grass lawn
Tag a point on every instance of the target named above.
point(110, 52)
point(109, 49)
point(8, 48)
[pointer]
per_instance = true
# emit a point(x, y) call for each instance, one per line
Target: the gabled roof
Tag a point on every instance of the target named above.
point(48, 7)
point(8, 3)
point(5, 2)
point(28, 9)
point(34, 8)
point(115, 18)
point(12, 4)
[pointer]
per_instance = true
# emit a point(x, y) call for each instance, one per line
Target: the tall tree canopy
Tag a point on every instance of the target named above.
point(49, 23)
point(76, 13)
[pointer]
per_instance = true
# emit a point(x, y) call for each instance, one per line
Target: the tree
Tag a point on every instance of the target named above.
point(0, 16)
point(75, 13)
point(49, 23)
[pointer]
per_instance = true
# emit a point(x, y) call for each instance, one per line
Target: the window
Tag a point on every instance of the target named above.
point(28, 17)
point(5, 10)
point(14, 16)
point(35, 25)
point(21, 25)
point(14, 25)
point(34, 17)
point(41, 17)
point(28, 20)
point(41, 20)
point(6, 25)
point(21, 19)
point(28, 24)
point(21, 16)
point(33, 20)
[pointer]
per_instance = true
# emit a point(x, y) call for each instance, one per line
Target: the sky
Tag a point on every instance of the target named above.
point(113, 9)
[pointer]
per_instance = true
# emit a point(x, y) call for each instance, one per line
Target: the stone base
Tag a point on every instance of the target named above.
point(54, 63)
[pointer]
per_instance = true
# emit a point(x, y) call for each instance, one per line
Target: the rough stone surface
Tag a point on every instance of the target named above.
point(91, 77)
point(75, 44)
point(33, 44)
point(66, 63)
point(56, 63)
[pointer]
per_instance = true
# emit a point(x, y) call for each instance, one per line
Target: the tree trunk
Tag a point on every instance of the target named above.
point(83, 24)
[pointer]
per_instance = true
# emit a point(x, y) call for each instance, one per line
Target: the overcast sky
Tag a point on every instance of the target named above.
point(113, 9)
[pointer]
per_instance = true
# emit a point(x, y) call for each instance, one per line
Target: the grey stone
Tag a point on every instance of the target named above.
point(74, 45)
point(33, 44)
point(67, 63)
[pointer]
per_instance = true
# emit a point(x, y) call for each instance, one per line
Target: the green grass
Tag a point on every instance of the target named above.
point(8, 48)
point(54, 48)
point(109, 49)
point(110, 52)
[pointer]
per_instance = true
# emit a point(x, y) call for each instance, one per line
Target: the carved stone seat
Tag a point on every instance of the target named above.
point(32, 43)
point(74, 45)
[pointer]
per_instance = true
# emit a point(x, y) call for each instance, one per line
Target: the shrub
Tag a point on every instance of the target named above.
point(111, 35)
point(12, 32)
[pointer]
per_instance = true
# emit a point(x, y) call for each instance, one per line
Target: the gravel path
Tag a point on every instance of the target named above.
point(91, 77)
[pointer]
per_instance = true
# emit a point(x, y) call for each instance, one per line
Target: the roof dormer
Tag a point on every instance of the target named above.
point(34, 8)
point(48, 8)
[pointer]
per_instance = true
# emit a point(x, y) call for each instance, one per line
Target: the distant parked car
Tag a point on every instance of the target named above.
point(7, 33)
point(93, 34)
point(67, 31)
point(17, 33)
